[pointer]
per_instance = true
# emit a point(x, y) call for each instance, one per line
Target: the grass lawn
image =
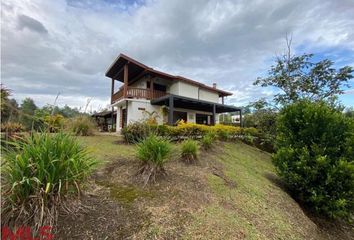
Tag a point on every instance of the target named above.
point(232, 193)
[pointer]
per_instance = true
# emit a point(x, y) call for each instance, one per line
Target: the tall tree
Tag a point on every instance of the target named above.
point(300, 77)
point(28, 108)
point(9, 107)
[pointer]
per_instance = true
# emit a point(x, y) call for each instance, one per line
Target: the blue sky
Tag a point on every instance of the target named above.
point(66, 46)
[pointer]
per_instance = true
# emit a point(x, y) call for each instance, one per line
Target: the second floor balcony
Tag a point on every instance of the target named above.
point(137, 93)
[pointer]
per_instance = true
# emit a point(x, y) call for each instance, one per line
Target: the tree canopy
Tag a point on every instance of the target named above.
point(300, 77)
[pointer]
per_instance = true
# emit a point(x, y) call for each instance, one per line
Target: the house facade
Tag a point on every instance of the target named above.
point(146, 91)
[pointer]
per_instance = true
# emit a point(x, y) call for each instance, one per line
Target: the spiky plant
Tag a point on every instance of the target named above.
point(207, 141)
point(189, 151)
point(153, 152)
point(38, 172)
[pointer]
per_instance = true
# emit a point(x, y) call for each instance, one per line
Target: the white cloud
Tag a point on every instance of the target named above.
point(67, 46)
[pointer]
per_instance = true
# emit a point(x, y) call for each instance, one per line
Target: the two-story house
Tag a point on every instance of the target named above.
point(145, 90)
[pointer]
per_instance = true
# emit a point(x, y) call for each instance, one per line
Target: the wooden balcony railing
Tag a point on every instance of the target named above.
point(142, 93)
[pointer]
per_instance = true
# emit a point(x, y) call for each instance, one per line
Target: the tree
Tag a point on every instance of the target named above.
point(28, 108)
point(9, 107)
point(5, 93)
point(315, 156)
point(349, 112)
point(299, 77)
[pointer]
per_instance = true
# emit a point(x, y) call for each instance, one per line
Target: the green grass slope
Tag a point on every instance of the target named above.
point(232, 193)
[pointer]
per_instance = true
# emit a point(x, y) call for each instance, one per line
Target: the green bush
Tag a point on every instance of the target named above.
point(39, 171)
point(54, 123)
point(315, 156)
point(153, 151)
point(189, 151)
point(136, 132)
point(82, 125)
point(224, 135)
point(207, 141)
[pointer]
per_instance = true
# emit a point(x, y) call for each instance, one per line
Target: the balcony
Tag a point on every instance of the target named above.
point(139, 93)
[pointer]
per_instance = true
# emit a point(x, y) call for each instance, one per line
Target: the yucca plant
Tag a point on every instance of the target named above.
point(153, 152)
point(38, 172)
point(189, 151)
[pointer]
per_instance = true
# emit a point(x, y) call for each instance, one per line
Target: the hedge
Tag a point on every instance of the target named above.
point(138, 131)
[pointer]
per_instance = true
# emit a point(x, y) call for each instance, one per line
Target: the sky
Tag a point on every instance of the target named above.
point(51, 47)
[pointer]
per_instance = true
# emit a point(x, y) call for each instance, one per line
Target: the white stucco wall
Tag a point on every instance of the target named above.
point(173, 88)
point(136, 114)
point(191, 91)
point(208, 96)
point(118, 128)
point(188, 90)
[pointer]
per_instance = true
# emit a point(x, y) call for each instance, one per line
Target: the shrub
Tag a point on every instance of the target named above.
point(207, 141)
point(153, 151)
point(315, 156)
point(54, 123)
point(136, 132)
point(12, 127)
point(38, 172)
point(82, 126)
point(189, 152)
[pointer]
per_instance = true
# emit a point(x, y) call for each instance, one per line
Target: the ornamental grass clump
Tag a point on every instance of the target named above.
point(189, 152)
point(207, 141)
point(82, 126)
point(38, 173)
point(153, 152)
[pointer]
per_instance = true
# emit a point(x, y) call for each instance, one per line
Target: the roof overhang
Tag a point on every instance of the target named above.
point(194, 104)
point(137, 70)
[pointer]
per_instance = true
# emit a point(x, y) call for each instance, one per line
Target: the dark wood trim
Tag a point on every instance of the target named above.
point(151, 88)
point(118, 73)
point(214, 115)
point(161, 100)
point(112, 90)
point(123, 59)
point(125, 80)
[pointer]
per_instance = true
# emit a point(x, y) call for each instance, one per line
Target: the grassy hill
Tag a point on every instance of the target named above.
point(232, 193)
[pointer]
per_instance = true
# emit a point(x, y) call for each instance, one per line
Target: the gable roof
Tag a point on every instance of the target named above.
point(137, 68)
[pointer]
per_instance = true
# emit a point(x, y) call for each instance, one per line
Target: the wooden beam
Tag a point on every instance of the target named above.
point(151, 88)
point(112, 90)
point(214, 115)
point(170, 110)
point(125, 81)
point(119, 72)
